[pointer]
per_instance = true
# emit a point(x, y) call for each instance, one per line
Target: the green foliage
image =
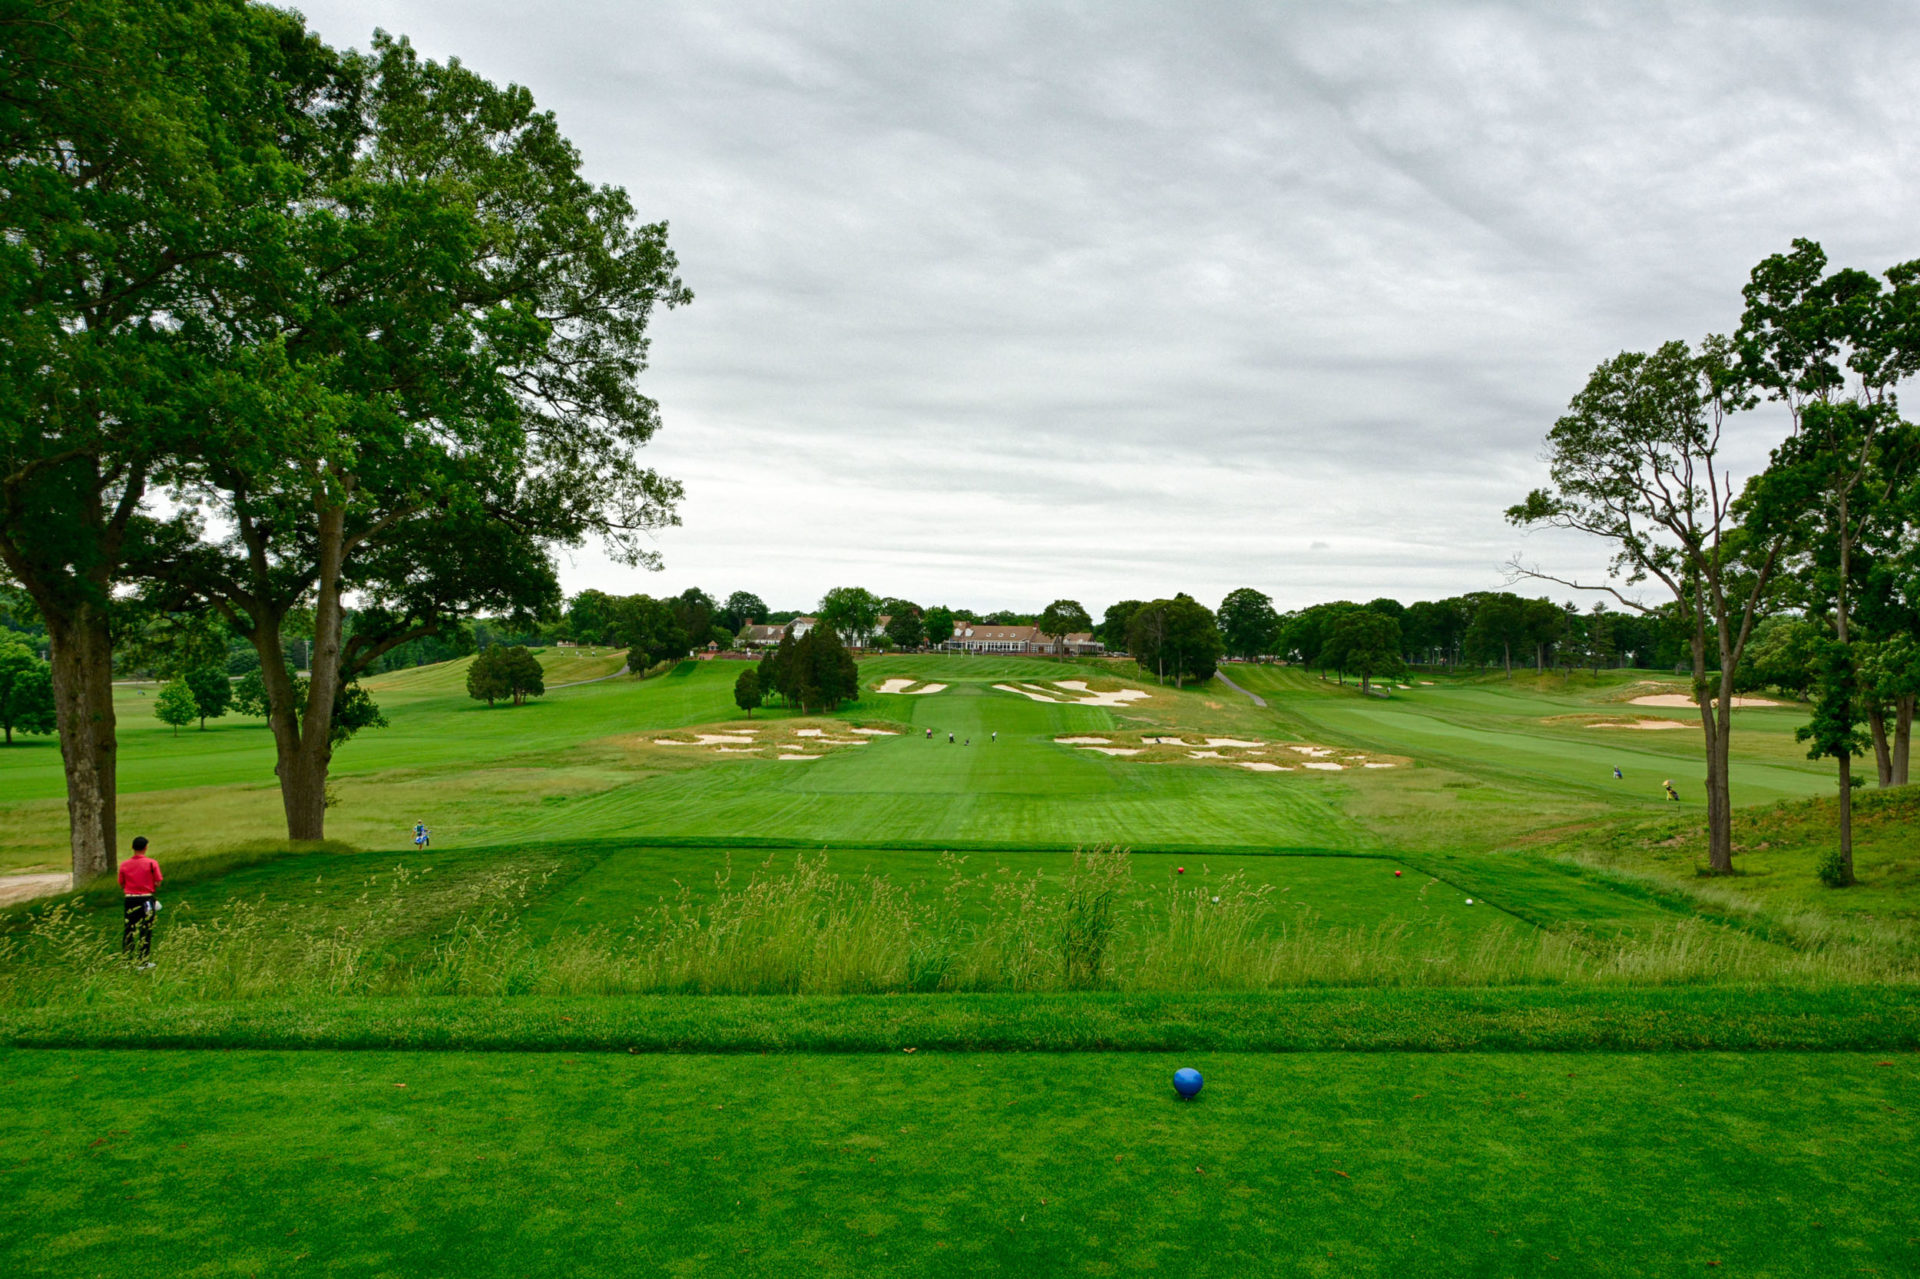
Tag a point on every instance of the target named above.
point(1175, 637)
point(250, 693)
point(353, 709)
point(212, 691)
point(647, 628)
point(26, 690)
point(1363, 642)
point(852, 611)
point(1834, 870)
point(502, 672)
point(1063, 618)
point(1837, 713)
point(939, 624)
point(906, 629)
point(1783, 655)
point(741, 607)
point(1114, 623)
point(820, 671)
point(1249, 627)
point(746, 691)
point(175, 705)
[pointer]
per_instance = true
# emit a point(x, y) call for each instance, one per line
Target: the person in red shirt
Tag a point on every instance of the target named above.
point(139, 880)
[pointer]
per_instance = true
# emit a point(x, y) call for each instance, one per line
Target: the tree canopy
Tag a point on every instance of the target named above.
point(1176, 637)
point(505, 673)
point(26, 690)
point(1063, 618)
point(1249, 626)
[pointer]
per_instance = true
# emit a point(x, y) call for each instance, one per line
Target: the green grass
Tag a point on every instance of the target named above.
point(1018, 1164)
point(1512, 1019)
point(1342, 1014)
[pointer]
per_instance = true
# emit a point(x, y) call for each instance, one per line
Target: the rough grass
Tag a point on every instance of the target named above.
point(801, 927)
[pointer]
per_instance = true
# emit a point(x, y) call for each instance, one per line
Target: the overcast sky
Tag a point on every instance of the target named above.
point(997, 303)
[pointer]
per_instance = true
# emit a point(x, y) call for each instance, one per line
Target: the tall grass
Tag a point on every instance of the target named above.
point(807, 930)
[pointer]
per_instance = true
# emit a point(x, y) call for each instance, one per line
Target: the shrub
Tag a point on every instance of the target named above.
point(1833, 870)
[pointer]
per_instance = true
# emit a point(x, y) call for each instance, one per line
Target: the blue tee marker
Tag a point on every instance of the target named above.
point(1187, 1082)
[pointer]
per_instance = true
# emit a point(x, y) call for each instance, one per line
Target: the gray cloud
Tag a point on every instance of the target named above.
point(1003, 302)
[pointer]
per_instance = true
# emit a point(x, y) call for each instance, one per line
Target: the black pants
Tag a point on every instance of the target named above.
point(139, 916)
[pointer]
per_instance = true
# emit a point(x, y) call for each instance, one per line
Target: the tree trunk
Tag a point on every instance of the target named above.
point(83, 707)
point(1719, 791)
point(1902, 737)
point(1882, 752)
point(1846, 818)
point(1846, 642)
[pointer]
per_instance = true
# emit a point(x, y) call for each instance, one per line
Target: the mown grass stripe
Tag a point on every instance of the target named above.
point(1535, 1019)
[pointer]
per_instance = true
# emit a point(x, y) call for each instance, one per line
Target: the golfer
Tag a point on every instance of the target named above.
point(139, 880)
point(421, 835)
point(1616, 772)
point(1672, 794)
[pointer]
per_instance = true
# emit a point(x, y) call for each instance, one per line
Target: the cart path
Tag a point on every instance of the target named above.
point(20, 888)
point(1255, 698)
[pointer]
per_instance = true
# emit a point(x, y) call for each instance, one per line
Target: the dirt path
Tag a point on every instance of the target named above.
point(1255, 698)
point(20, 888)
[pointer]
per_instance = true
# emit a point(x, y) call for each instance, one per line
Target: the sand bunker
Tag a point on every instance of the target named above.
point(1113, 750)
point(798, 757)
point(1229, 741)
point(1315, 751)
point(907, 686)
point(1262, 766)
point(1654, 724)
point(1083, 741)
point(1681, 699)
point(1325, 767)
point(1380, 766)
point(1119, 697)
point(1086, 697)
point(1164, 741)
point(876, 732)
point(1204, 755)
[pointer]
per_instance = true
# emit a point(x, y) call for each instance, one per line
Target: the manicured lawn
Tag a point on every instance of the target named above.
point(1487, 762)
point(245, 1163)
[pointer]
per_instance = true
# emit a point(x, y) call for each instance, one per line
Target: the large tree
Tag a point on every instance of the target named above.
point(429, 386)
point(1833, 348)
point(1063, 618)
point(1364, 642)
point(939, 623)
point(1176, 637)
point(741, 608)
point(26, 690)
point(152, 148)
point(1114, 624)
point(852, 611)
point(1248, 625)
point(1637, 461)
